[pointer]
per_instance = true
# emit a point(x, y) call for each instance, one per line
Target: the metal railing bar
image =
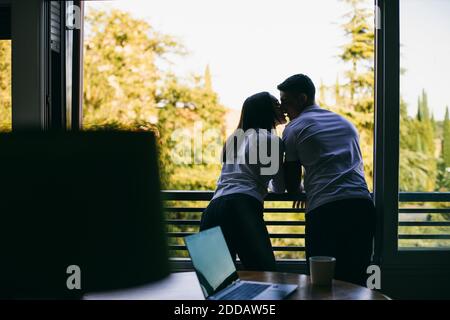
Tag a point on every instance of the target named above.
point(195, 195)
point(200, 209)
point(268, 223)
point(275, 248)
point(424, 236)
point(271, 235)
point(424, 196)
point(423, 224)
point(423, 210)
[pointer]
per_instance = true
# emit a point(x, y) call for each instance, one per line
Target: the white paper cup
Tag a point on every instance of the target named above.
point(321, 270)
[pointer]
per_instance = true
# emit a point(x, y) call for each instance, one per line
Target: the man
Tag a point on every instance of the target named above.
point(340, 215)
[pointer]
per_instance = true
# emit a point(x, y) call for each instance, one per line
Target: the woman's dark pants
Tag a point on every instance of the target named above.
point(240, 217)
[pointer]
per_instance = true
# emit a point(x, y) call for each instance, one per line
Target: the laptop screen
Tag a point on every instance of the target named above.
point(211, 259)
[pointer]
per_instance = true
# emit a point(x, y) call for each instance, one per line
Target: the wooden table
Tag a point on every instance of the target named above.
point(185, 286)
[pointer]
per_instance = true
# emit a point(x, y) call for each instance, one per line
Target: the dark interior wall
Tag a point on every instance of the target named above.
point(28, 75)
point(5, 21)
point(405, 282)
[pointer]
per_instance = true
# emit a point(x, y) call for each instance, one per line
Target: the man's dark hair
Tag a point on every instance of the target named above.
point(299, 83)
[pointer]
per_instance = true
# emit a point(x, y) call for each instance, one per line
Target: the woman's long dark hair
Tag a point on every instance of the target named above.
point(257, 113)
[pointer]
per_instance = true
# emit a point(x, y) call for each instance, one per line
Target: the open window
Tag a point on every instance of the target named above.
point(410, 186)
point(129, 84)
point(413, 214)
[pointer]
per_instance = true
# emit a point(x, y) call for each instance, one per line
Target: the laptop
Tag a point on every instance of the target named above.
point(218, 276)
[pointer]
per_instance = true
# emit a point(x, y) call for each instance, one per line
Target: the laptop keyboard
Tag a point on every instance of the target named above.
point(245, 291)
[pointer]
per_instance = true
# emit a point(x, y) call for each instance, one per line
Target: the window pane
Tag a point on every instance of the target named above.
point(424, 123)
point(129, 82)
point(186, 72)
point(5, 86)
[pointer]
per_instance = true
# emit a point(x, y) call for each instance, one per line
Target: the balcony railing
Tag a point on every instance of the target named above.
point(184, 209)
point(424, 220)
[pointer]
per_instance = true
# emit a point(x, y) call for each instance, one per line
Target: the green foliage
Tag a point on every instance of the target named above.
point(322, 92)
point(124, 89)
point(120, 74)
point(359, 52)
point(442, 177)
point(337, 92)
point(207, 77)
point(5, 85)
point(354, 99)
point(194, 108)
point(446, 140)
point(418, 164)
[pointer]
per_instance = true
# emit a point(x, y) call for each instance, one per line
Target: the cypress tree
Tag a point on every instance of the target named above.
point(425, 107)
point(208, 81)
point(446, 140)
point(322, 92)
point(419, 109)
point(337, 92)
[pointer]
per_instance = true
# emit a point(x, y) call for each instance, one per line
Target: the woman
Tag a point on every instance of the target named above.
point(238, 202)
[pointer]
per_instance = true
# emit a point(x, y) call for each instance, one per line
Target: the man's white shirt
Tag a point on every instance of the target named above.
point(327, 146)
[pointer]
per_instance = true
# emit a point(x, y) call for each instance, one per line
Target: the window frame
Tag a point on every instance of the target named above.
point(387, 146)
point(77, 72)
point(36, 110)
point(5, 21)
point(29, 110)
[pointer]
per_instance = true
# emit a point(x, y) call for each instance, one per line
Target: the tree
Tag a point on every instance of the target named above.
point(322, 93)
point(446, 140)
point(355, 98)
point(425, 107)
point(433, 123)
point(443, 174)
point(425, 125)
point(337, 92)
point(417, 167)
point(419, 109)
point(207, 77)
point(120, 74)
point(5, 85)
point(185, 106)
point(443, 179)
point(359, 52)
point(422, 130)
point(124, 89)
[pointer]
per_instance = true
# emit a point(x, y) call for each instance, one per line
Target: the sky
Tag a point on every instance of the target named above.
point(253, 45)
point(425, 53)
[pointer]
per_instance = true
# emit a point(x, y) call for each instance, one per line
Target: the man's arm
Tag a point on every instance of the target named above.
point(293, 178)
point(292, 166)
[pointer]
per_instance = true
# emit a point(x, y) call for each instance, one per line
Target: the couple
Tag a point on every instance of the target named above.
point(340, 215)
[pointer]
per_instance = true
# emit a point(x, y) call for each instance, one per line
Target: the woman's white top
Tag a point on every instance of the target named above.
point(249, 166)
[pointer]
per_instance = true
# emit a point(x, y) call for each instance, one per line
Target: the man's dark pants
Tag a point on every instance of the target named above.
point(343, 229)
